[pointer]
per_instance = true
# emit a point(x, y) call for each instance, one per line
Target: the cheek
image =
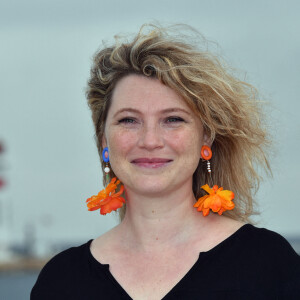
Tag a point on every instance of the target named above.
point(119, 143)
point(188, 147)
point(186, 143)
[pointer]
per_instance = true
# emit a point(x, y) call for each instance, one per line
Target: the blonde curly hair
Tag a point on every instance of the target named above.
point(228, 107)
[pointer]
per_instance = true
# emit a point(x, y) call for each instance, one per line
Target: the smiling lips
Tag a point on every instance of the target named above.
point(151, 162)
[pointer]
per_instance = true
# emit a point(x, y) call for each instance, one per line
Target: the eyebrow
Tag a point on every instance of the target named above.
point(176, 109)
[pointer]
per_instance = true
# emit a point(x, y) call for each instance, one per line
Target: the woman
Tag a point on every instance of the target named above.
point(172, 124)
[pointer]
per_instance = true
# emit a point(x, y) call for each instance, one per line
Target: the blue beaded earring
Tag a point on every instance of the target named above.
point(105, 157)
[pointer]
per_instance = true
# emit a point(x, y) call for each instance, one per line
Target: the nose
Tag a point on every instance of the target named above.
point(151, 137)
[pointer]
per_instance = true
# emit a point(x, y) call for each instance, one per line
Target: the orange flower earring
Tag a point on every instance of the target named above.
point(217, 200)
point(107, 200)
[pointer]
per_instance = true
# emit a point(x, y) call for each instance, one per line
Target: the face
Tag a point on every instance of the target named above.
point(154, 138)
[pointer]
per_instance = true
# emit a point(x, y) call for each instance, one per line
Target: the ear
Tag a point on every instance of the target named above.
point(206, 139)
point(104, 142)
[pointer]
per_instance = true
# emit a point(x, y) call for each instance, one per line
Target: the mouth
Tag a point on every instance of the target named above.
point(151, 163)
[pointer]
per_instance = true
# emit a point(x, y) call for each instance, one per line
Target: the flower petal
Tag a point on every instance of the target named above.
point(228, 205)
point(207, 189)
point(114, 204)
point(205, 212)
point(216, 204)
point(200, 201)
point(227, 195)
point(120, 192)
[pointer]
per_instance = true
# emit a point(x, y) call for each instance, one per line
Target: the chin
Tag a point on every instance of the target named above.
point(149, 185)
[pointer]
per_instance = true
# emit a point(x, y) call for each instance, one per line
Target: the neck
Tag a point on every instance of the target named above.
point(152, 223)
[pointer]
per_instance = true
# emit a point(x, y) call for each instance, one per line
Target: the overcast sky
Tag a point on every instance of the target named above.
point(51, 163)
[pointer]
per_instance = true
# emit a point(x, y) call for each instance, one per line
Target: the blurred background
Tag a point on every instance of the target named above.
point(48, 158)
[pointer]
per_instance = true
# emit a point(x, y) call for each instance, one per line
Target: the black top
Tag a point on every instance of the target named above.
point(253, 263)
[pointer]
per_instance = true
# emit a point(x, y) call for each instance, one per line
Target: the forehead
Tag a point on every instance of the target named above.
point(141, 92)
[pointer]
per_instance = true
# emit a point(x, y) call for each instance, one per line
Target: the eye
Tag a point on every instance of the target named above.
point(127, 121)
point(174, 120)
